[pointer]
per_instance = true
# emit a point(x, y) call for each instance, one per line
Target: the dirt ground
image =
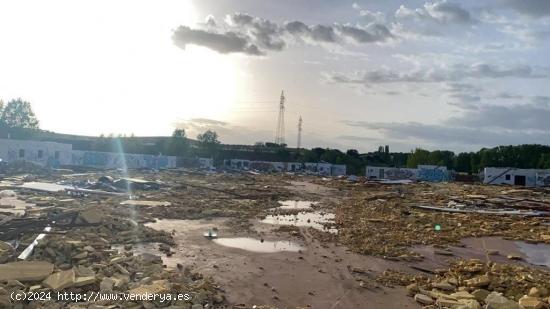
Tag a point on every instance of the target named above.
point(358, 245)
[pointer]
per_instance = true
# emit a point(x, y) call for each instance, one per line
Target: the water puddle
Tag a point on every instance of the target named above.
point(537, 254)
point(290, 204)
point(256, 245)
point(45, 186)
point(316, 220)
point(145, 203)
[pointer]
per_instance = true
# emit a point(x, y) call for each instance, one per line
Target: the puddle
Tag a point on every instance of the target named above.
point(538, 254)
point(314, 219)
point(45, 186)
point(145, 203)
point(290, 204)
point(255, 245)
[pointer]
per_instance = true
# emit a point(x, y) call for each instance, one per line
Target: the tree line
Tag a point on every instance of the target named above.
point(18, 117)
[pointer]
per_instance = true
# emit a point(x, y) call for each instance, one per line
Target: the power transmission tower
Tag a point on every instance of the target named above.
point(280, 135)
point(299, 133)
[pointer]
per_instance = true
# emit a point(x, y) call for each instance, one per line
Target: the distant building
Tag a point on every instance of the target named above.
point(432, 173)
point(43, 153)
point(516, 176)
point(58, 154)
point(322, 168)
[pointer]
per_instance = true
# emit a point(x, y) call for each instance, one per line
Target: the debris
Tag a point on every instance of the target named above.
point(25, 270)
point(60, 280)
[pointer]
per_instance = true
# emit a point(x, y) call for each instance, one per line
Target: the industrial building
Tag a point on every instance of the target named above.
point(516, 176)
point(432, 173)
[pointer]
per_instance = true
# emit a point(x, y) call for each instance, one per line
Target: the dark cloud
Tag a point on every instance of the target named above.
point(533, 8)
point(442, 12)
point(453, 73)
point(255, 36)
point(228, 42)
point(487, 126)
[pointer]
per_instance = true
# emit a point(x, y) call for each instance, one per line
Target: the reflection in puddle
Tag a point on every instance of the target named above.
point(255, 245)
point(316, 220)
point(538, 254)
point(290, 204)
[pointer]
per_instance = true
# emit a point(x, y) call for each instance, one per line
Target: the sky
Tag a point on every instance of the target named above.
point(457, 75)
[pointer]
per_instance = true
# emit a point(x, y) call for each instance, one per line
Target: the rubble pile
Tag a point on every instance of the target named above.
point(470, 284)
point(384, 223)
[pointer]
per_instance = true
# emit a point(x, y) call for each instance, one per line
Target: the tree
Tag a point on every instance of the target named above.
point(18, 114)
point(208, 137)
point(178, 133)
point(209, 142)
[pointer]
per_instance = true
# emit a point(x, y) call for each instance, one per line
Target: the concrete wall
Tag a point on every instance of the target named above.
point(111, 160)
point(44, 153)
point(432, 173)
point(516, 176)
point(338, 170)
point(393, 173)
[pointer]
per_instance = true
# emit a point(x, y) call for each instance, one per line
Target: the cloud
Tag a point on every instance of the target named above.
point(442, 12)
point(532, 8)
point(244, 33)
point(371, 16)
point(454, 73)
point(225, 43)
point(489, 125)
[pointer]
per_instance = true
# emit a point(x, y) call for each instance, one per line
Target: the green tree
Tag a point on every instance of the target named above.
point(18, 114)
point(209, 143)
point(178, 143)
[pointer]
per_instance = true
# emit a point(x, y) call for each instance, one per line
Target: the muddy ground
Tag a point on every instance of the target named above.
point(356, 246)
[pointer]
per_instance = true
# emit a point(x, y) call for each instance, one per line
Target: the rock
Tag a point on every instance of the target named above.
point(197, 306)
point(545, 237)
point(81, 255)
point(106, 284)
point(25, 270)
point(60, 280)
point(496, 301)
point(479, 281)
point(444, 285)
point(89, 248)
point(480, 294)
point(444, 302)
point(492, 252)
point(82, 281)
point(91, 216)
point(412, 289)
point(423, 299)
point(463, 295)
point(538, 292)
point(529, 302)
point(514, 257)
point(468, 304)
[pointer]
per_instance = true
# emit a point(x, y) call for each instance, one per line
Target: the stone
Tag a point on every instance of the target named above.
point(81, 255)
point(423, 299)
point(444, 302)
point(462, 295)
point(82, 281)
point(444, 285)
point(106, 285)
point(197, 306)
point(529, 302)
point(480, 294)
point(89, 248)
point(468, 304)
point(25, 270)
point(514, 257)
point(492, 252)
point(412, 289)
point(479, 281)
point(496, 301)
point(91, 216)
point(60, 280)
